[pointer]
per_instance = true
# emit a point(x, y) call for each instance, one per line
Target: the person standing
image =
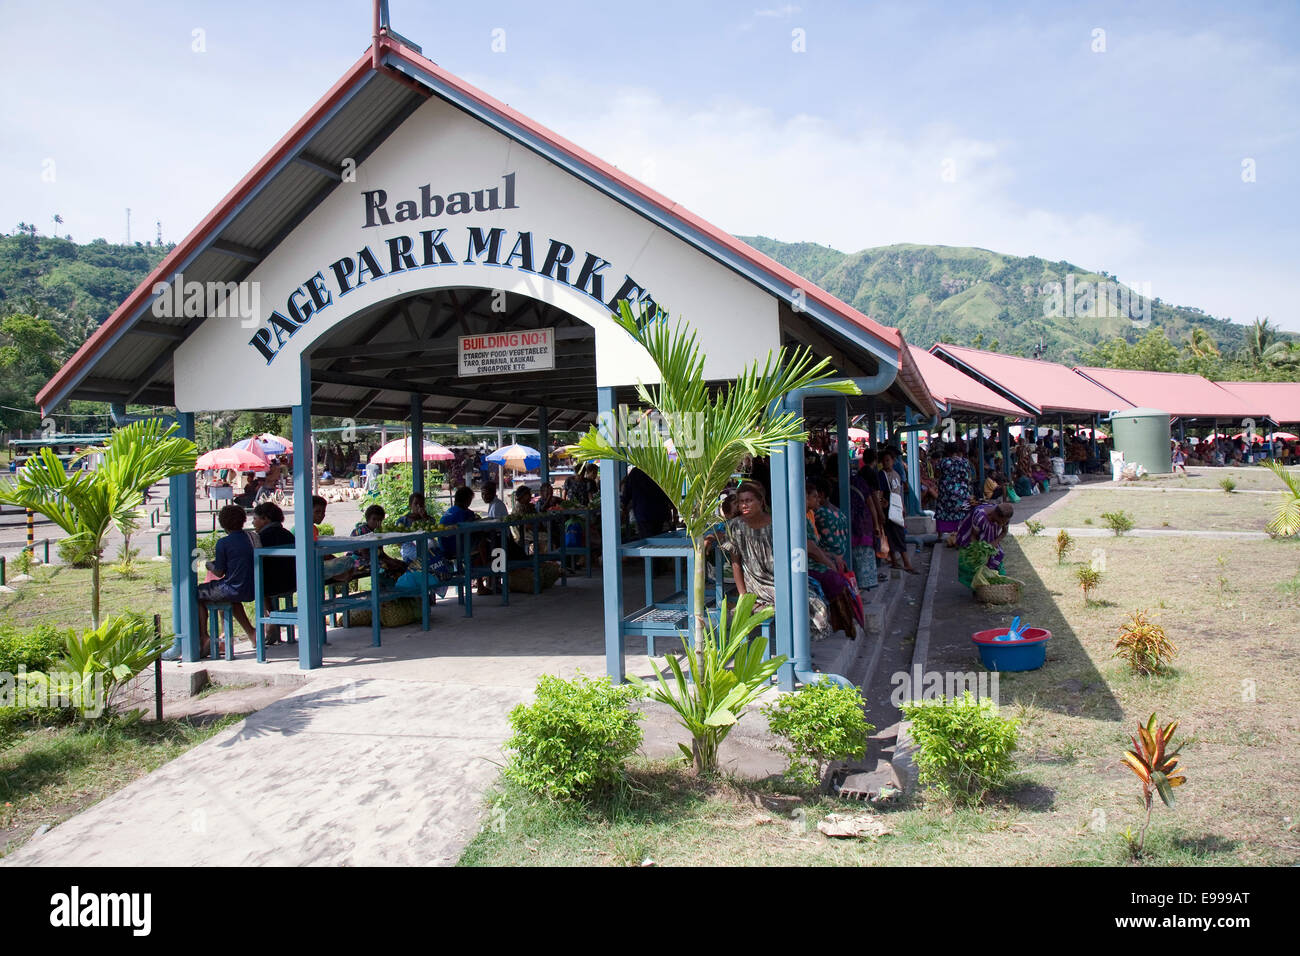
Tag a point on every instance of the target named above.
point(892, 486)
point(647, 502)
point(955, 483)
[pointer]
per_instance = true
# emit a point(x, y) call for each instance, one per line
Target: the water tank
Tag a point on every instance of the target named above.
point(1142, 434)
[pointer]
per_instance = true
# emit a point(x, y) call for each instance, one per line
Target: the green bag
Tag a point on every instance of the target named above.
point(1011, 494)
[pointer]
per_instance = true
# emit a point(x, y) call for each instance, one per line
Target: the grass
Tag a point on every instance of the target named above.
point(1183, 512)
point(61, 595)
point(1232, 685)
point(1248, 478)
point(52, 773)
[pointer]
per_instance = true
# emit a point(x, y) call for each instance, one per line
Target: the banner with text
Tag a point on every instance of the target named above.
point(507, 353)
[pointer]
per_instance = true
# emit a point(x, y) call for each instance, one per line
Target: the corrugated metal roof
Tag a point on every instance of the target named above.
point(1043, 388)
point(1280, 400)
point(957, 390)
point(1179, 394)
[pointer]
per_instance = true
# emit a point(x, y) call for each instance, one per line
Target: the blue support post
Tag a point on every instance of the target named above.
point(845, 450)
point(797, 555)
point(1004, 443)
point(913, 464)
point(417, 444)
point(979, 427)
point(185, 606)
point(544, 441)
point(611, 563)
point(311, 626)
point(781, 551)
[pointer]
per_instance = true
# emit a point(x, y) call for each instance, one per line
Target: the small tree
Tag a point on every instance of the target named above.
point(1089, 578)
point(89, 504)
point(713, 430)
point(1064, 545)
point(1154, 761)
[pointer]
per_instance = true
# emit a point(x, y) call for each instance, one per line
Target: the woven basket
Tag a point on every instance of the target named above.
point(396, 612)
point(1004, 592)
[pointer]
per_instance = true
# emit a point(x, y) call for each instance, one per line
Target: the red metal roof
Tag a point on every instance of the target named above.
point(1043, 388)
point(1179, 394)
point(80, 363)
point(1280, 400)
point(957, 390)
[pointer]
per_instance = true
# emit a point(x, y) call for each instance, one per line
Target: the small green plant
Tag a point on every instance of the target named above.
point(1228, 485)
point(1089, 579)
point(714, 696)
point(1222, 561)
point(571, 743)
point(1154, 762)
point(1286, 518)
point(99, 662)
point(1035, 528)
point(1118, 521)
point(76, 552)
point(1064, 545)
point(33, 649)
point(821, 723)
point(125, 567)
point(965, 746)
point(1087, 521)
point(392, 490)
point(23, 562)
point(1143, 645)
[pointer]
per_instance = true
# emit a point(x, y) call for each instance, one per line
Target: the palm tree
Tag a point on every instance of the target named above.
point(1258, 339)
point(1281, 353)
point(713, 431)
point(89, 504)
point(1286, 520)
point(1201, 344)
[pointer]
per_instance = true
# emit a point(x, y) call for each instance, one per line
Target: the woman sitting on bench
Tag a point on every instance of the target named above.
point(280, 574)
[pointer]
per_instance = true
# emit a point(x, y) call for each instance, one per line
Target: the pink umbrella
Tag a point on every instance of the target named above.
point(236, 459)
point(400, 450)
point(1285, 436)
point(859, 434)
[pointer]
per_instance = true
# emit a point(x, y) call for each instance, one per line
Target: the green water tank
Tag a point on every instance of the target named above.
point(1142, 434)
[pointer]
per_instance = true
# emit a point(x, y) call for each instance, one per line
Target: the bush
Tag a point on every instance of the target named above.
point(965, 747)
point(33, 648)
point(100, 661)
point(392, 490)
point(572, 742)
point(1034, 528)
point(76, 552)
point(1064, 545)
point(1144, 645)
point(1228, 485)
point(821, 723)
point(1089, 579)
point(1118, 521)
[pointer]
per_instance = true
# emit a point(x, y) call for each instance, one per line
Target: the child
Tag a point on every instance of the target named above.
point(232, 571)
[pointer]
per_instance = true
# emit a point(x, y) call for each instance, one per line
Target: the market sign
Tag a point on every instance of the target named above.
point(507, 353)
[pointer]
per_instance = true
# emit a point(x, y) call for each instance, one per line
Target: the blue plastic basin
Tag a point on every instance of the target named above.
point(1026, 654)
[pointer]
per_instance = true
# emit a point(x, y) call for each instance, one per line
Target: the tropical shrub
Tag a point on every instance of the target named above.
point(1286, 519)
point(392, 489)
point(821, 723)
point(572, 741)
point(1118, 521)
point(1035, 528)
point(23, 561)
point(1228, 485)
point(1154, 762)
point(1089, 579)
point(965, 747)
point(711, 696)
point(33, 649)
point(96, 664)
point(1143, 645)
point(1064, 545)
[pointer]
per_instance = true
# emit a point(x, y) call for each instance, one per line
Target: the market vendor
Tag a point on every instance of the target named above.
point(986, 522)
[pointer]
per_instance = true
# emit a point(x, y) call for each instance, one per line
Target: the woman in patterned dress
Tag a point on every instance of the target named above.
point(955, 482)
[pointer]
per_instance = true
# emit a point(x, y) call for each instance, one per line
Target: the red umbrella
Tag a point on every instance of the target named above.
point(400, 450)
point(1253, 438)
point(236, 459)
point(1285, 436)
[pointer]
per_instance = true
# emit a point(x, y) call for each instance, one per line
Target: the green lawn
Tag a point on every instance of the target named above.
point(1230, 606)
point(1164, 509)
point(54, 772)
point(1250, 478)
point(60, 595)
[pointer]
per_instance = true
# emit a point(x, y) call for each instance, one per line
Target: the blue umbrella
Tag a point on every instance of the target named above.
point(516, 457)
point(268, 445)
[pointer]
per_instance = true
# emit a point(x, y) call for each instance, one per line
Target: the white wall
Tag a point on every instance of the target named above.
point(217, 368)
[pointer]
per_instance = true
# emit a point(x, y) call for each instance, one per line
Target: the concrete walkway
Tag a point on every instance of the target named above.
point(382, 757)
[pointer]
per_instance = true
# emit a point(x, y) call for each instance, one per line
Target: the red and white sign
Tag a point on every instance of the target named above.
point(506, 353)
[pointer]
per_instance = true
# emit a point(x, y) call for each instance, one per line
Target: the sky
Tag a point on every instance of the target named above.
point(1159, 142)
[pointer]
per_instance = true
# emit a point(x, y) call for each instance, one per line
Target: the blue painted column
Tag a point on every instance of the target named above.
point(417, 445)
point(185, 606)
point(311, 627)
point(797, 554)
point(979, 425)
point(781, 551)
point(611, 564)
point(544, 441)
point(1004, 443)
point(913, 465)
point(1094, 434)
point(844, 457)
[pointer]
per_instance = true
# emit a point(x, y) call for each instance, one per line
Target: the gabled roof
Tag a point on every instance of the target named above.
point(1280, 400)
point(128, 359)
point(957, 391)
point(1179, 394)
point(1041, 388)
